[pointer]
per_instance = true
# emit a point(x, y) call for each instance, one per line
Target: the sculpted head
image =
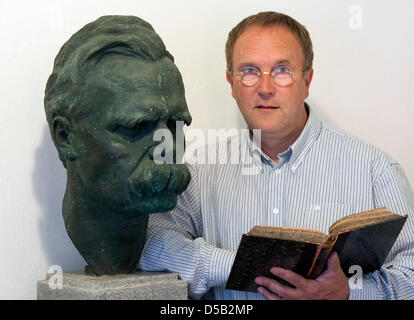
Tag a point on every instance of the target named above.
point(113, 85)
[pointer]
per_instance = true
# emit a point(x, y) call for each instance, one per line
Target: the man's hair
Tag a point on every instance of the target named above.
point(124, 35)
point(266, 19)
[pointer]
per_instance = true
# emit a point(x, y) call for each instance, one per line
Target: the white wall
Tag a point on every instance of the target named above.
point(363, 83)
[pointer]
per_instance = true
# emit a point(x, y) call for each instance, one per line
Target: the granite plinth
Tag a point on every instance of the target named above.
point(136, 286)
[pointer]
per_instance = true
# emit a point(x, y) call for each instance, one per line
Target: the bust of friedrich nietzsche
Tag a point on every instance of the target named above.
point(113, 85)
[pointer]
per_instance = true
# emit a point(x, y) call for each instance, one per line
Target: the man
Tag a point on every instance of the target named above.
point(113, 85)
point(310, 176)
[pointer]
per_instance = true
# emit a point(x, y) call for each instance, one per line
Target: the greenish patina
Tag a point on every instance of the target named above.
point(113, 85)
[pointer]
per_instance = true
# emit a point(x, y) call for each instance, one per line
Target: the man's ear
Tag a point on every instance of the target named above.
point(61, 129)
point(230, 80)
point(308, 80)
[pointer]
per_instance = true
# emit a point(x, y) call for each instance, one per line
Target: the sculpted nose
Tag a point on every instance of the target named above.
point(164, 146)
point(266, 87)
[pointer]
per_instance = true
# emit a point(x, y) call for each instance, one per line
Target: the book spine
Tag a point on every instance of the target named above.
point(307, 257)
point(319, 261)
point(312, 267)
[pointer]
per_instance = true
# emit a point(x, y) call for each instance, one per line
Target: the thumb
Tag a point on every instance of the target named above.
point(332, 267)
point(333, 262)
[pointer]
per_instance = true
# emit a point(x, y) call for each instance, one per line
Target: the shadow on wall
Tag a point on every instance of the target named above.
point(49, 181)
point(319, 111)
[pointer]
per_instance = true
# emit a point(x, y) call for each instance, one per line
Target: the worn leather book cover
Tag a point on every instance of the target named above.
point(364, 244)
point(369, 246)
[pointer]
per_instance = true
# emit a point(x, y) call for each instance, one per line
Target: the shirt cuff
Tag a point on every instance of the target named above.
point(219, 268)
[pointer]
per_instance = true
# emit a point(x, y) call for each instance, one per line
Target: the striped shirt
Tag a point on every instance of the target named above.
point(325, 175)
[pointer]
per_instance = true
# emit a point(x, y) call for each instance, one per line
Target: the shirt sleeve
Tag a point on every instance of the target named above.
point(395, 280)
point(175, 244)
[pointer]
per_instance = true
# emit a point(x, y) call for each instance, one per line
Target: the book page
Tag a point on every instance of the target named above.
point(357, 216)
point(362, 219)
point(285, 233)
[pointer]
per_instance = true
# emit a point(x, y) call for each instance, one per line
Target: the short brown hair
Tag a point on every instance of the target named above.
point(272, 18)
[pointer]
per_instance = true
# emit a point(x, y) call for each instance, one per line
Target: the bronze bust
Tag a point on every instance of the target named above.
point(113, 85)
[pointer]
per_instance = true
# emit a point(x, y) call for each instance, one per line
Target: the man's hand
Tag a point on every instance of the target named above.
point(332, 284)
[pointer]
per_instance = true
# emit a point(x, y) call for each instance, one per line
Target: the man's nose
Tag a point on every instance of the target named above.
point(266, 87)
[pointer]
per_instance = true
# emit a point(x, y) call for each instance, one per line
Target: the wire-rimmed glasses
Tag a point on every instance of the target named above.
point(249, 76)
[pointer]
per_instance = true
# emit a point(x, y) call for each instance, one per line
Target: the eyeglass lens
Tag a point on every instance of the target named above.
point(250, 77)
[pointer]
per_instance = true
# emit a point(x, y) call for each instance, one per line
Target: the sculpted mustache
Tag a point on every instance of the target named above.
point(151, 178)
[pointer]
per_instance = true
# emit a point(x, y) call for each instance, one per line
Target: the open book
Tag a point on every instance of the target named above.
point(363, 239)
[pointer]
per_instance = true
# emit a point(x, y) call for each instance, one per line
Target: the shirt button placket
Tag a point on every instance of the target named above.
point(276, 197)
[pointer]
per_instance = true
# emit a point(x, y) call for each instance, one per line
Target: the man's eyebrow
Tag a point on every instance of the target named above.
point(247, 64)
point(251, 64)
point(283, 61)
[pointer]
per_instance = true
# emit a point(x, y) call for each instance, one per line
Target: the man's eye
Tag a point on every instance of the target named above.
point(135, 132)
point(282, 69)
point(249, 70)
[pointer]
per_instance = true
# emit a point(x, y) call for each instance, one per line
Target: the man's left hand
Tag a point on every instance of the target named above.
point(332, 284)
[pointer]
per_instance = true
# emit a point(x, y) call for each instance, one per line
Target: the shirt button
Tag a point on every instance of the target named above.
point(275, 210)
point(277, 171)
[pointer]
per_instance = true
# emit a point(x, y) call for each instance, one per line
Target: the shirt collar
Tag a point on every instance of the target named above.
point(303, 143)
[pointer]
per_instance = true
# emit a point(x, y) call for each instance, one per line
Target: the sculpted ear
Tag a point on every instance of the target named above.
point(61, 129)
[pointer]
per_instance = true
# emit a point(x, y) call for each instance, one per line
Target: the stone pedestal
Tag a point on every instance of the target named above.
point(136, 286)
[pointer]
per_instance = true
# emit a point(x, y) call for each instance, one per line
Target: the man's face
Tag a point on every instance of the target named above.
point(278, 111)
point(124, 101)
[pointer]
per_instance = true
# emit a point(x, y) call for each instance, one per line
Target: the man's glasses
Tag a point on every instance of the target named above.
point(250, 76)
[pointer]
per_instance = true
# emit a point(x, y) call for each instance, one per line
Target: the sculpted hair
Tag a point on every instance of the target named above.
point(271, 18)
point(124, 35)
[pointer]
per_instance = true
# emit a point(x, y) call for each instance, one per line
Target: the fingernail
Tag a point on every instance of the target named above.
point(258, 280)
point(274, 271)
